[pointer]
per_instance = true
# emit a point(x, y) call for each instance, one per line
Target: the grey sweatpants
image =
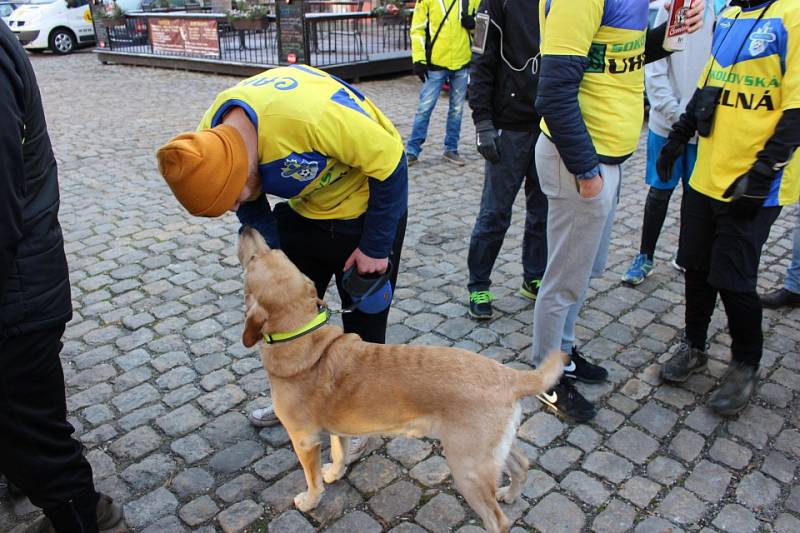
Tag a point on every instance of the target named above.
point(578, 234)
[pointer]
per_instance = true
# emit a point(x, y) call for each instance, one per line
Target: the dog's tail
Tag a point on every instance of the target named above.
point(533, 382)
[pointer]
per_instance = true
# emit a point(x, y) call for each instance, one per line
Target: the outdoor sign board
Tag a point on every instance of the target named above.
point(292, 43)
point(190, 36)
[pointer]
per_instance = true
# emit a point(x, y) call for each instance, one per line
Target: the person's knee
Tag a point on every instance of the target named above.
point(659, 196)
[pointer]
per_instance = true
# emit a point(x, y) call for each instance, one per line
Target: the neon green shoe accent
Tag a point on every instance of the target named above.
point(481, 297)
point(530, 289)
point(480, 305)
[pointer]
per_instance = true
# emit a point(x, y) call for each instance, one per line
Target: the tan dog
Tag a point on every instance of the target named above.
point(329, 381)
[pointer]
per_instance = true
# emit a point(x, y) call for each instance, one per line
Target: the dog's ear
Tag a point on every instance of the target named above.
point(256, 317)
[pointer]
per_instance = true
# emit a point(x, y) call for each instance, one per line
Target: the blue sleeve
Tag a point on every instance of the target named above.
point(557, 102)
point(258, 215)
point(388, 202)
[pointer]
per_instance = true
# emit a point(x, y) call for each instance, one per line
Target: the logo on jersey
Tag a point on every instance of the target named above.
point(299, 169)
point(761, 38)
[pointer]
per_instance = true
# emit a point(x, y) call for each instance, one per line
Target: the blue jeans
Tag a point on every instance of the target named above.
point(427, 101)
point(500, 187)
point(792, 282)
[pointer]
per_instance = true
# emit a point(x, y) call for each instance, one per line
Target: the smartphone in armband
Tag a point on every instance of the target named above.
point(481, 32)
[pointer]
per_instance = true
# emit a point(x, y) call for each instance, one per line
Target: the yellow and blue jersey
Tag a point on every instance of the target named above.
point(755, 59)
point(319, 139)
point(611, 34)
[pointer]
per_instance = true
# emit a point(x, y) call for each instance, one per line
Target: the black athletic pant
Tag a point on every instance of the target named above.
point(37, 451)
point(720, 251)
point(320, 248)
point(655, 212)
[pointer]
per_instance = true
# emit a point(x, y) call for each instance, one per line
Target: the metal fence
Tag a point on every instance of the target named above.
point(332, 39)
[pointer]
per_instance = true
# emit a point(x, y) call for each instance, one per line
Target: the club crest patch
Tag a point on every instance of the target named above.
point(761, 38)
point(299, 169)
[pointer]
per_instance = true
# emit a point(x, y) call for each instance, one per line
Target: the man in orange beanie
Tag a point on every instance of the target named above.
point(303, 135)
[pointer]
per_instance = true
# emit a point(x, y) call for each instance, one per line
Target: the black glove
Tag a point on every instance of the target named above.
point(468, 21)
point(748, 191)
point(421, 70)
point(670, 153)
point(486, 140)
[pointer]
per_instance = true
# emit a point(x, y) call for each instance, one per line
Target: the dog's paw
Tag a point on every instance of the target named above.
point(305, 501)
point(503, 494)
point(331, 474)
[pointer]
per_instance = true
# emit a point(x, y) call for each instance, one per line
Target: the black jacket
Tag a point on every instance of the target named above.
point(496, 91)
point(34, 280)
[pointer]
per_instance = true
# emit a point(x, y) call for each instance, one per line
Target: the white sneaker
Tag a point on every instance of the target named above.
point(358, 447)
point(263, 417)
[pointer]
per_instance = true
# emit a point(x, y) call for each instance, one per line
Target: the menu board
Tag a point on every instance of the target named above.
point(291, 32)
point(184, 36)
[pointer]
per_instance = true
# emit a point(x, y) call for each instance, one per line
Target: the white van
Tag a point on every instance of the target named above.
point(60, 25)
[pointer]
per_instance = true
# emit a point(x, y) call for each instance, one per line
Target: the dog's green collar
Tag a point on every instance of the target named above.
point(320, 320)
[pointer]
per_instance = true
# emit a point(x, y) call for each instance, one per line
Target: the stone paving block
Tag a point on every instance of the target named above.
point(756, 490)
point(655, 419)
point(395, 500)
point(736, 519)
point(777, 395)
point(407, 527)
point(789, 441)
point(537, 485)
point(617, 517)
point(633, 444)
point(275, 436)
point(779, 466)
point(584, 438)
point(135, 397)
point(355, 521)
point(541, 429)
point(141, 416)
point(441, 513)
point(275, 464)
point(222, 400)
point(169, 360)
point(150, 507)
point(656, 525)
point(227, 429)
point(176, 378)
point(137, 443)
point(236, 457)
point(181, 396)
point(216, 379)
point(703, 420)
point(709, 481)
point(290, 522)
point(149, 472)
point(132, 378)
point(191, 448)
point(168, 524)
point(239, 488)
point(280, 495)
point(97, 414)
point(239, 515)
point(793, 500)
point(99, 435)
point(607, 420)
point(664, 470)
point(787, 523)
point(728, 452)
point(99, 393)
point(181, 421)
point(639, 491)
point(198, 511)
point(585, 488)
point(557, 460)
point(609, 466)
point(192, 481)
point(556, 514)
point(681, 506)
point(687, 445)
point(336, 499)
point(431, 472)
point(102, 465)
point(372, 474)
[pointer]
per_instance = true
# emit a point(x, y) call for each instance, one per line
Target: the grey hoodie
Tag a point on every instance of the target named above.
point(671, 81)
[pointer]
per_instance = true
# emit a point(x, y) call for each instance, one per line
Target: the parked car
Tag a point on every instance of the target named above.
point(60, 25)
point(6, 8)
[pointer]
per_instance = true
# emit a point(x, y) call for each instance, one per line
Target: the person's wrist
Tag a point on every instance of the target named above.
point(589, 174)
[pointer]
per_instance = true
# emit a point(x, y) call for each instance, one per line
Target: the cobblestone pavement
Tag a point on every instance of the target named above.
point(158, 382)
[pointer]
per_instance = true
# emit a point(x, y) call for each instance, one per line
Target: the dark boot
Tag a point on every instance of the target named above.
point(735, 389)
point(80, 513)
point(684, 363)
point(780, 298)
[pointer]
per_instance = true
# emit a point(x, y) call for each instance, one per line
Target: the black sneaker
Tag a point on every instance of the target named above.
point(684, 363)
point(564, 398)
point(530, 289)
point(581, 369)
point(735, 390)
point(480, 305)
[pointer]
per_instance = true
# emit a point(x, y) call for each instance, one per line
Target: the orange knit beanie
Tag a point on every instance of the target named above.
point(206, 170)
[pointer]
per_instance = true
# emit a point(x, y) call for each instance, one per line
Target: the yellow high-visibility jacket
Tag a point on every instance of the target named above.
point(452, 48)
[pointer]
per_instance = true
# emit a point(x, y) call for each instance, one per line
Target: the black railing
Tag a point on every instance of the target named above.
point(333, 39)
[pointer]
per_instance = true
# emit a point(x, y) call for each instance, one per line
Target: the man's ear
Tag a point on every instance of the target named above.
point(256, 317)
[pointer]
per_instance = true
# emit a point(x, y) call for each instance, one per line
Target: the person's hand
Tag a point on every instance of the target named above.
point(366, 264)
point(421, 70)
point(486, 141)
point(748, 191)
point(591, 187)
point(694, 16)
point(670, 153)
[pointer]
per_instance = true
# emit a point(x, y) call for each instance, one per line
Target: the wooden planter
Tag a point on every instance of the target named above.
point(249, 24)
point(113, 22)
